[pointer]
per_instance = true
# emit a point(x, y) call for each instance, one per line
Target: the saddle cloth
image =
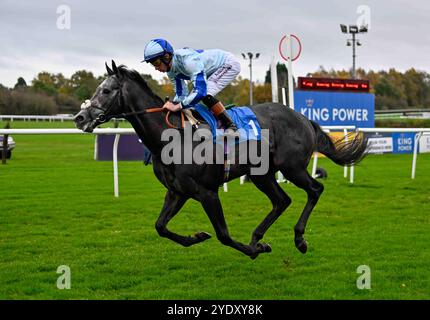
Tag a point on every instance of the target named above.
point(243, 117)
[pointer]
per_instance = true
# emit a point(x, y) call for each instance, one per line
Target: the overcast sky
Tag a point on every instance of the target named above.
point(31, 41)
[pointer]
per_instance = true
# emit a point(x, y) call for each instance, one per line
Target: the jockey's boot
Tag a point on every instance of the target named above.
point(221, 114)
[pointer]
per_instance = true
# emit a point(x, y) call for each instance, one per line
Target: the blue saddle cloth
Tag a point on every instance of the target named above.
point(243, 117)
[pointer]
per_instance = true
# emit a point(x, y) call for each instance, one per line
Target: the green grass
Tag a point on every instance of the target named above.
point(57, 208)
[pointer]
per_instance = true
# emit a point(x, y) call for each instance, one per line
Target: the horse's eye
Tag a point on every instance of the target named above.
point(106, 91)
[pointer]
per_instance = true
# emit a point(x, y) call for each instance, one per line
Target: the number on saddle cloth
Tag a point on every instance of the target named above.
point(243, 117)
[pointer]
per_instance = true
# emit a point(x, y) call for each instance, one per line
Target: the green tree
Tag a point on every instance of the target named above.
point(83, 84)
point(163, 89)
point(262, 93)
point(415, 87)
point(27, 102)
point(282, 72)
point(20, 83)
point(44, 83)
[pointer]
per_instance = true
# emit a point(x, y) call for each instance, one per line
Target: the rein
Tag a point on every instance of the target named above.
point(149, 110)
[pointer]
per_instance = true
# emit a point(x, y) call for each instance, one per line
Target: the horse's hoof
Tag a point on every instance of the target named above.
point(202, 236)
point(301, 245)
point(264, 247)
point(254, 255)
point(260, 247)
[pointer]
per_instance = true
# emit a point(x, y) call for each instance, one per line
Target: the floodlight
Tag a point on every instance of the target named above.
point(343, 28)
point(353, 29)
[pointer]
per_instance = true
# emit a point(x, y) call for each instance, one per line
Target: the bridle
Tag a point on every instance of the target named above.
point(119, 100)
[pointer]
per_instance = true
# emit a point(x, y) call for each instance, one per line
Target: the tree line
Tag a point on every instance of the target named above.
point(392, 89)
point(51, 93)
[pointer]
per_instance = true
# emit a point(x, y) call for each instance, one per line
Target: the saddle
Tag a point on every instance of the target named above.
point(196, 119)
point(193, 116)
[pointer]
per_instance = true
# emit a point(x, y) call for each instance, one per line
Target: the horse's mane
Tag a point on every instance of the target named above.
point(136, 77)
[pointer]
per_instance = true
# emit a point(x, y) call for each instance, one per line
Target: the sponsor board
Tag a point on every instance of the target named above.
point(380, 142)
point(336, 108)
point(424, 146)
point(403, 142)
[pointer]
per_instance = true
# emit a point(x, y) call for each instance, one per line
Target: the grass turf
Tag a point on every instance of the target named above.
point(57, 208)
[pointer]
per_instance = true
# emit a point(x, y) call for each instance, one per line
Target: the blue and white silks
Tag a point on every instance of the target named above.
point(196, 66)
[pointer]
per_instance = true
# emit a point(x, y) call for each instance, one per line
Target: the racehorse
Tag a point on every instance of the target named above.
point(293, 140)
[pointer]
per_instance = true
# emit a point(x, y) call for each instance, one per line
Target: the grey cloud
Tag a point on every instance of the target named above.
point(102, 30)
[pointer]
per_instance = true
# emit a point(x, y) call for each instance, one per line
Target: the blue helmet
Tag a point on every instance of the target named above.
point(156, 48)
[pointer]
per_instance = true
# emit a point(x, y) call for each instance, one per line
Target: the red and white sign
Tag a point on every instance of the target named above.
point(297, 48)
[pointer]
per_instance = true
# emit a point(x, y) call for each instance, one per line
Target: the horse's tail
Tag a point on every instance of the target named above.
point(347, 150)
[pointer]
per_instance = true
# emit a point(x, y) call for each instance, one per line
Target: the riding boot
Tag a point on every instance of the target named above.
point(221, 114)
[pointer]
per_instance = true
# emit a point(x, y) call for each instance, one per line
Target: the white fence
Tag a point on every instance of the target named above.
point(50, 118)
point(119, 131)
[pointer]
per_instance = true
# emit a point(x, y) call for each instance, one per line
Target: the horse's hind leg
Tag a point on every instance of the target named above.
point(173, 202)
point(280, 201)
point(313, 188)
point(212, 206)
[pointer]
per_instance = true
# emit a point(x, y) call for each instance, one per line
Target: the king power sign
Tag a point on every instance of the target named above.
point(336, 109)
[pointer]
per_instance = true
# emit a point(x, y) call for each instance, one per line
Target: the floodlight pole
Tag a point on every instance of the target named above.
point(353, 55)
point(353, 29)
point(250, 80)
point(250, 57)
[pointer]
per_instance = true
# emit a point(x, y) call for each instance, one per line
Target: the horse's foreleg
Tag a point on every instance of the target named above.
point(280, 201)
point(212, 206)
point(173, 202)
point(313, 188)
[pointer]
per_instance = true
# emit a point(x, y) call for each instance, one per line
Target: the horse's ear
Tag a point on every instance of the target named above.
point(109, 70)
point(114, 68)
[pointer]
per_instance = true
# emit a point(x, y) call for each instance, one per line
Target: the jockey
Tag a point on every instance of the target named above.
point(210, 71)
